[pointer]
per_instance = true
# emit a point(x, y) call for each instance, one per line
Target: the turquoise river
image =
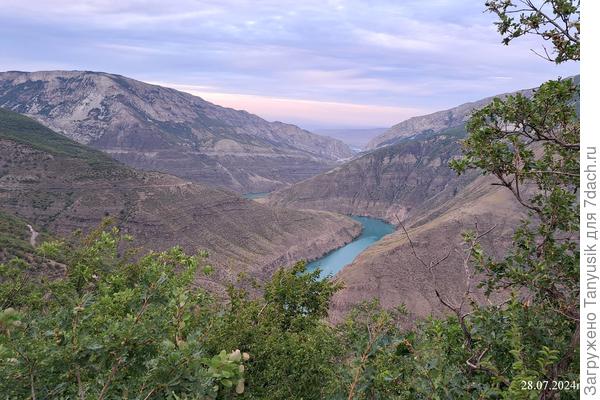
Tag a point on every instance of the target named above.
point(372, 230)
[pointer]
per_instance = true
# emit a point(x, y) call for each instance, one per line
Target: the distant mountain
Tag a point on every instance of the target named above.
point(357, 138)
point(57, 185)
point(157, 128)
point(435, 122)
point(440, 120)
point(404, 174)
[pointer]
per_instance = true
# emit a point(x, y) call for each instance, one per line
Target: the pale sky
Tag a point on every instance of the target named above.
point(316, 63)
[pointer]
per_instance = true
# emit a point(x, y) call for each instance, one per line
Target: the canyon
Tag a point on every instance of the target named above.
point(405, 179)
point(166, 167)
point(57, 186)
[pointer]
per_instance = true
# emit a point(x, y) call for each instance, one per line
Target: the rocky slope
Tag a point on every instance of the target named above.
point(393, 182)
point(15, 238)
point(389, 271)
point(58, 185)
point(435, 122)
point(157, 128)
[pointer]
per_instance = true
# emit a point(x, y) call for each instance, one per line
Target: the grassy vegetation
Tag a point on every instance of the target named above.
point(24, 130)
point(14, 237)
point(95, 164)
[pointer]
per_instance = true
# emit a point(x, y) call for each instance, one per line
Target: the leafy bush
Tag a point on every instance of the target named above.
point(114, 327)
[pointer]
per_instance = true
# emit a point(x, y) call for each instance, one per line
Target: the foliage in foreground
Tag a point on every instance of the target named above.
point(111, 328)
point(115, 328)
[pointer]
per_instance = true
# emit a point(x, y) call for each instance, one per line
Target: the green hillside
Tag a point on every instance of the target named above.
point(24, 130)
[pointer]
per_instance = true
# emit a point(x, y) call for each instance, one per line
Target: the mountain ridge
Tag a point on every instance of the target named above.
point(440, 120)
point(156, 128)
point(433, 122)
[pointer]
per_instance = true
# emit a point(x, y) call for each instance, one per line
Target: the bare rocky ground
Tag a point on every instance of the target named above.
point(393, 182)
point(390, 272)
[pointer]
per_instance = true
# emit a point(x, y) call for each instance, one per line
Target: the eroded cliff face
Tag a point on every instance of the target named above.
point(59, 186)
point(390, 272)
point(157, 128)
point(392, 183)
